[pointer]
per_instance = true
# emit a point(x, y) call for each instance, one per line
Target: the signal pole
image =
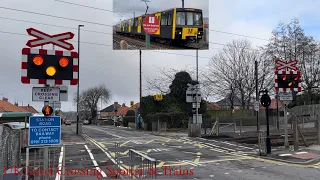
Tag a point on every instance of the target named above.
point(78, 77)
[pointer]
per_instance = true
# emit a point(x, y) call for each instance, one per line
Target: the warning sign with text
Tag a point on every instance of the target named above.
point(46, 94)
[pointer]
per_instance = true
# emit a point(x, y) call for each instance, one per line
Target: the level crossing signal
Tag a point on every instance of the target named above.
point(288, 80)
point(61, 67)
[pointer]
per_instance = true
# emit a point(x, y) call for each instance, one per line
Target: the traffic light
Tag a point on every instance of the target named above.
point(288, 80)
point(265, 100)
point(45, 66)
point(47, 110)
point(131, 103)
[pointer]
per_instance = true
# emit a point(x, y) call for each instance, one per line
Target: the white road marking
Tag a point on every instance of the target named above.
point(104, 131)
point(95, 162)
point(60, 164)
point(285, 155)
point(109, 156)
point(301, 153)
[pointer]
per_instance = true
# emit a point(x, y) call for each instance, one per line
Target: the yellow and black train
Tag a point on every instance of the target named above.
point(177, 25)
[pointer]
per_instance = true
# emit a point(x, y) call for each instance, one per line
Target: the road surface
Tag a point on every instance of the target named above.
point(177, 157)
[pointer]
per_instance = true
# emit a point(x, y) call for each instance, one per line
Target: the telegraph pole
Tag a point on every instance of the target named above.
point(257, 92)
point(140, 69)
point(197, 67)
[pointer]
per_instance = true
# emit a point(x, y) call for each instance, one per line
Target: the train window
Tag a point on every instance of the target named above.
point(190, 18)
point(181, 18)
point(198, 19)
point(169, 19)
point(164, 19)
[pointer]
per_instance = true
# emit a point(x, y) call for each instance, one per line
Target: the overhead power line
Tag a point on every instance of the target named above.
point(1, 7)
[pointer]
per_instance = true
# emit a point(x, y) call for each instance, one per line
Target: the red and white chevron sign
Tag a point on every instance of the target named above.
point(43, 39)
point(291, 65)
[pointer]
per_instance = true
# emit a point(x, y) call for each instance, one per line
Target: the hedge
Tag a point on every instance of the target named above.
point(173, 120)
point(128, 119)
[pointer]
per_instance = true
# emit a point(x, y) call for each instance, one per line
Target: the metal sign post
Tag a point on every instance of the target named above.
point(151, 25)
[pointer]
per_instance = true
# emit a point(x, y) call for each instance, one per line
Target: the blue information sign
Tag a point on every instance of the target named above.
point(44, 130)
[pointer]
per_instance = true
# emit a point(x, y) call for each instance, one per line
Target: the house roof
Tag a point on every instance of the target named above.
point(6, 106)
point(273, 104)
point(111, 108)
point(226, 102)
point(29, 109)
point(212, 106)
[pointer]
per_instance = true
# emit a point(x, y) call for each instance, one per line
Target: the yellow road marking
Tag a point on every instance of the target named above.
point(149, 150)
point(149, 141)
point(177, 164)
point(124, 153)
point(199, 145)
point(176, 146)
point(160, 164)
point(168, 140)
point(197, 160)
point(124, 143)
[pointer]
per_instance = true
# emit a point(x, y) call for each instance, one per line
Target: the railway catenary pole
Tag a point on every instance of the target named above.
point(182, 3)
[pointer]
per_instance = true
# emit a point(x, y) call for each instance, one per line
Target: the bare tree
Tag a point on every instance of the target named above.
point(88, 100)
point(231, 72)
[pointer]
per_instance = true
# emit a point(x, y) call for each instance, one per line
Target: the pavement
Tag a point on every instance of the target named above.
point(177, 156)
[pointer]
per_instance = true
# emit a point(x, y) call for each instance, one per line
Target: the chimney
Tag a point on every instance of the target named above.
point(5, 99)
point(123, 105)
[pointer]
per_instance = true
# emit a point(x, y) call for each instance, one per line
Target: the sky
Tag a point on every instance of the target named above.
point(122, 9)
point(119, 70)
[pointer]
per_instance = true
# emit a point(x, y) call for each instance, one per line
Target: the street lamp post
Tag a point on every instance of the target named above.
point(78, 77)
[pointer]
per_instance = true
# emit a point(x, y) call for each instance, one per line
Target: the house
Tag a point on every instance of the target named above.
point(6, 106)
point(212, 106)
point(225, 104)
point(108, 112)
point(29, 109)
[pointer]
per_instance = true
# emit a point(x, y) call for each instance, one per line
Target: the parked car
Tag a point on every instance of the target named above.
point(85, 122)
point(67, 122)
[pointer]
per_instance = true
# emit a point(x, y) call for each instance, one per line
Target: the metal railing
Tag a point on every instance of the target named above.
point(49, 160)
point(142, 166)
point(10, 149)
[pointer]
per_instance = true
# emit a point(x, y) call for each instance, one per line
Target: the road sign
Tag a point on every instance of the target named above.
point(285, 96)
point(256, 105)
point(56, 105)
point(63, 93)
point(151, 24)
point(44, 130)
point(291, 65)
point(37, 75)
point(44, 38)
point(45, 94)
